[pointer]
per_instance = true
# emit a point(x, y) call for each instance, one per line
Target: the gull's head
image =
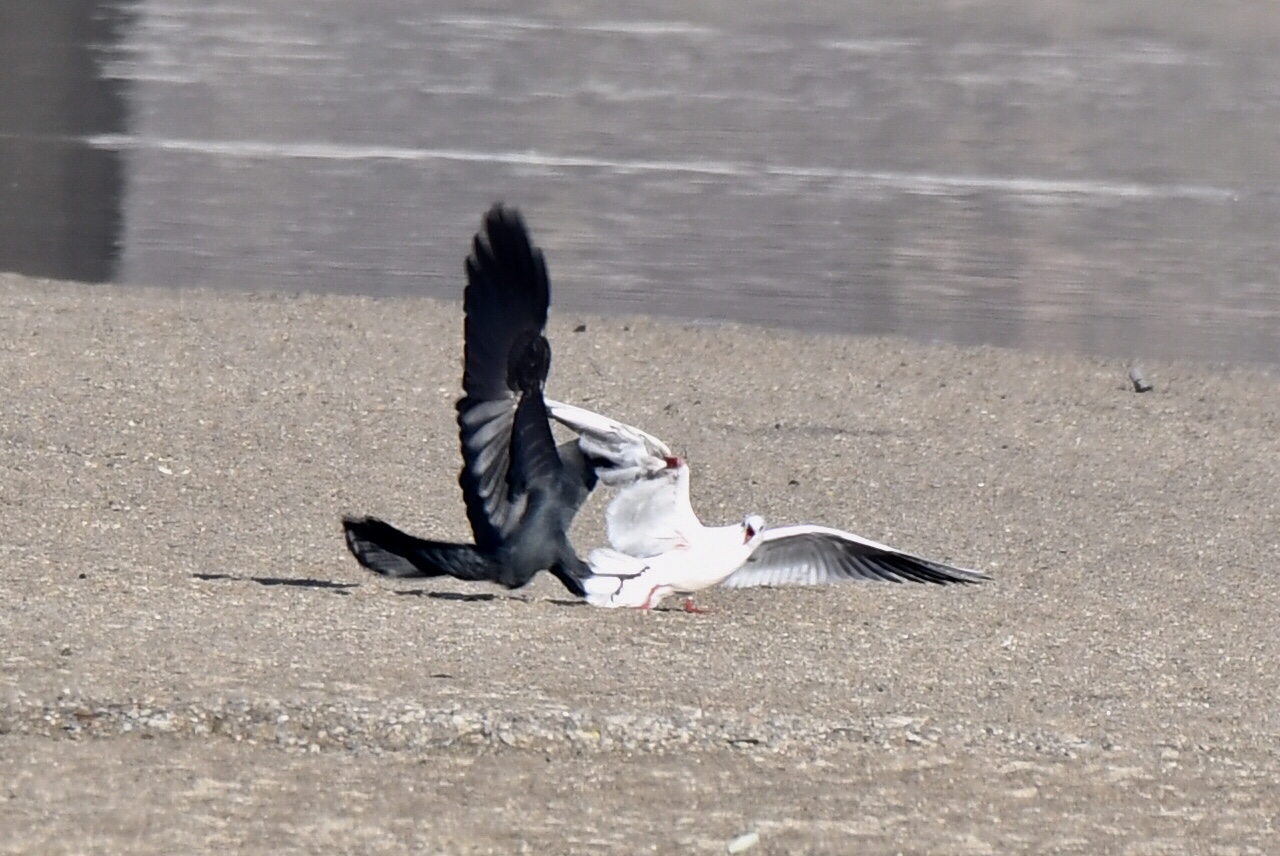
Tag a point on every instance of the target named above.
point(752, 527)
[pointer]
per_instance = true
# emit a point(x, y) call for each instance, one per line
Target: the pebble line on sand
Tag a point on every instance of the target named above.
point(300, 726)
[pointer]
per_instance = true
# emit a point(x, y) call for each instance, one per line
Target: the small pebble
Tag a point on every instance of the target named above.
point(743, 842)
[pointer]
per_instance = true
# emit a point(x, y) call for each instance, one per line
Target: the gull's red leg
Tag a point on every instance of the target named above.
point(648, 601)
point(689, 607)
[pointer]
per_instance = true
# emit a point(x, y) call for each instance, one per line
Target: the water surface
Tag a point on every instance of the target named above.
point(1109, 187)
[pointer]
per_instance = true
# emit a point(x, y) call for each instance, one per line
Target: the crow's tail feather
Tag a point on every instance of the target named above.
point(384, 549)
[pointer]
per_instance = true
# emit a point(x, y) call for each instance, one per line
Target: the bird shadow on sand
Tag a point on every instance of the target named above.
point(447, 595)
point(456, 596)
point(482, 597)
point(329, 585)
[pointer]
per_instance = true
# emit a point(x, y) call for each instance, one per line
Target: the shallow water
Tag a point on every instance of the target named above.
point(1106, 189)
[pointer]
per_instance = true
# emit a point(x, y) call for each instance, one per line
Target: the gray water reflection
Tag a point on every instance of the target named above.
point(820, 165)
point(60, 196)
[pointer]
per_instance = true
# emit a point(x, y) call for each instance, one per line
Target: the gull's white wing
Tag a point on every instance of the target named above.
point(628, 452)
point(812, 555)
point(650, 516)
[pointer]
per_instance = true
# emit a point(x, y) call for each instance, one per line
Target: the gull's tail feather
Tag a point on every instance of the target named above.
point(610, 572)
point(384, 549)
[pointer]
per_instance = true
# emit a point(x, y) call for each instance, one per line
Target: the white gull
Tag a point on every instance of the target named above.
point(660, 547)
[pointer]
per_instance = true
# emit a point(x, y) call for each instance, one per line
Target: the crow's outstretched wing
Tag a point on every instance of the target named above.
point(506, 358)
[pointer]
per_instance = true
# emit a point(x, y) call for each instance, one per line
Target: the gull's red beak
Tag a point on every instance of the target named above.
point(748, 534)
point(674, 463)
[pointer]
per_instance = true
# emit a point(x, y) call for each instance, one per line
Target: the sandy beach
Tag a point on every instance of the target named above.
point(191, 662)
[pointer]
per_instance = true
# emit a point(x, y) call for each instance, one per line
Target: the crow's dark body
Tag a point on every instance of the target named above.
point(520, 490)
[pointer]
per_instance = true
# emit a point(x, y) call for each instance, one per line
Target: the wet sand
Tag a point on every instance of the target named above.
point(191, 662)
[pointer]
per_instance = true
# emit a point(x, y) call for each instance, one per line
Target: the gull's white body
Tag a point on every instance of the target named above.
point(705, 559)
point(660, 545)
